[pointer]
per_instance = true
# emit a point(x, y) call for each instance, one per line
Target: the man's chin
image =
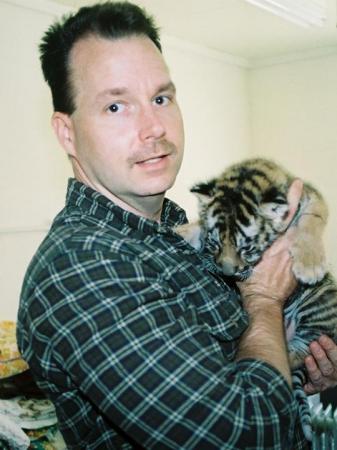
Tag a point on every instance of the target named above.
point(158, 190)
point(153, 194)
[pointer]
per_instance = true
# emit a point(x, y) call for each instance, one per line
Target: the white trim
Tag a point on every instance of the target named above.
point(304, 55)
point(202, 50)
point(311, 13)
point(44, 6)
point(248, 63)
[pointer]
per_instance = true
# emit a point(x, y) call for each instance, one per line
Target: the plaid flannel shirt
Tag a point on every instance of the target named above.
point(132, 335)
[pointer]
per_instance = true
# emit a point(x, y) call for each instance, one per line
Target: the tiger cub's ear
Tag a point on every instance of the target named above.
point(204, 191)
point(274, 206)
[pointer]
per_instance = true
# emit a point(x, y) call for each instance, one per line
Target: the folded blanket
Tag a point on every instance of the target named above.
point(11, 435)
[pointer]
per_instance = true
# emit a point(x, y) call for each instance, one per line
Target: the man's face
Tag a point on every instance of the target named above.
point(126, 132)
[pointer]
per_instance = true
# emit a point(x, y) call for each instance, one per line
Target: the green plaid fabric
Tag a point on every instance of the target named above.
point(132, 335)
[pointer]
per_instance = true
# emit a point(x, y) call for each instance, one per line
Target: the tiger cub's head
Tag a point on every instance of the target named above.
point(242, 212)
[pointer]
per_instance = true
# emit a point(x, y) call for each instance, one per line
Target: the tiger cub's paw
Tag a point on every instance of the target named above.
point(191, 233)
point(309, 263)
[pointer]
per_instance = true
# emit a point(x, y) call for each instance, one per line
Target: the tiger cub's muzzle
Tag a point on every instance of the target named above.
point(230, 262)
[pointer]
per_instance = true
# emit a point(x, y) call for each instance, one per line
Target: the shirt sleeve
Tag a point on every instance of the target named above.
point(107, 331)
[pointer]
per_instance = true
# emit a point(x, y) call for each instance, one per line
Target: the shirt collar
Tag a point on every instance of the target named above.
point(93, 203)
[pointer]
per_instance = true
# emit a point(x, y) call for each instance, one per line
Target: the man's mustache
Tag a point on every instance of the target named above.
point(153, 150)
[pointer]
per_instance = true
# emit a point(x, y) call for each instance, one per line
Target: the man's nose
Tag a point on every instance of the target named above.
point(150, 124)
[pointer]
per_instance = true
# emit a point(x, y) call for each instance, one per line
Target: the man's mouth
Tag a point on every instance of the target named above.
point(153, 160)
point(154, 154)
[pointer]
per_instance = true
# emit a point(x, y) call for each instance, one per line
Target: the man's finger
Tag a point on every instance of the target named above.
point(330, 349)
point(293, 198)
point(316, 381)
point(314, 372)
point(323, 361)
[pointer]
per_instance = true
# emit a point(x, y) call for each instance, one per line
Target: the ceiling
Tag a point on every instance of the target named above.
point(236, 27)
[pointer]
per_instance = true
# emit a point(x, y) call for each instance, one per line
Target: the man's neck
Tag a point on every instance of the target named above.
point(149, 207)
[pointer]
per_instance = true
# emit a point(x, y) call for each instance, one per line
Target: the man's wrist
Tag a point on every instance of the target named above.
point(264, 338)
point(263, 304)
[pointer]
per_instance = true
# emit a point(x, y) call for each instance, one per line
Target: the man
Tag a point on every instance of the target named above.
point(132, 334)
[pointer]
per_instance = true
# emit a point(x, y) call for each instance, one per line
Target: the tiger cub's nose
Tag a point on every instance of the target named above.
point(227, 266)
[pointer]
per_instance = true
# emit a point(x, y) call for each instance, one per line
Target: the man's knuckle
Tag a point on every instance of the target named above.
point(328, 371)
point(315, 377)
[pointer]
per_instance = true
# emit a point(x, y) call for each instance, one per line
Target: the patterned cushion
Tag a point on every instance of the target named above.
point(11, 362)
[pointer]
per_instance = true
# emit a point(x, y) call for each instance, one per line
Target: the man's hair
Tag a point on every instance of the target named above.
point(106, 20)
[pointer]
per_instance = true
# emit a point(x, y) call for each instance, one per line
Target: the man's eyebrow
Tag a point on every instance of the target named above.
point(114, 92)
point(170, 86)
point(119, 91)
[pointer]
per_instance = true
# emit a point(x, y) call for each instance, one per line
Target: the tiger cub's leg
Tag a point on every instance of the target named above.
point(306, 236)
point(309, 313)
point(298, 347)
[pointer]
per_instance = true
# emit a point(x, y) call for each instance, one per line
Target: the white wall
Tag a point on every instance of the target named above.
point(33, 169)
point(213, 96)
point(294, 118)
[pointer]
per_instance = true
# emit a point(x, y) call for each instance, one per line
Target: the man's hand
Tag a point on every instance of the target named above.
point(321, 365)
point(271, 279)
point(263, 295)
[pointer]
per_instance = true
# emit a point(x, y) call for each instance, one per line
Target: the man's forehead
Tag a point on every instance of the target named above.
point(136, 54)
point(89, 45)
point(101, 67)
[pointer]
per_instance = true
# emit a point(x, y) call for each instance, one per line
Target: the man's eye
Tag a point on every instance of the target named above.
point(161, 100)
point(116, 107)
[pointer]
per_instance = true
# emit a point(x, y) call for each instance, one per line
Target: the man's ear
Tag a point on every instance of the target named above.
point(293, 198)
point(63, 128)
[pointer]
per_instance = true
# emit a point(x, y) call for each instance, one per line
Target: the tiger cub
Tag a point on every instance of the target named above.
point(241, 213)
